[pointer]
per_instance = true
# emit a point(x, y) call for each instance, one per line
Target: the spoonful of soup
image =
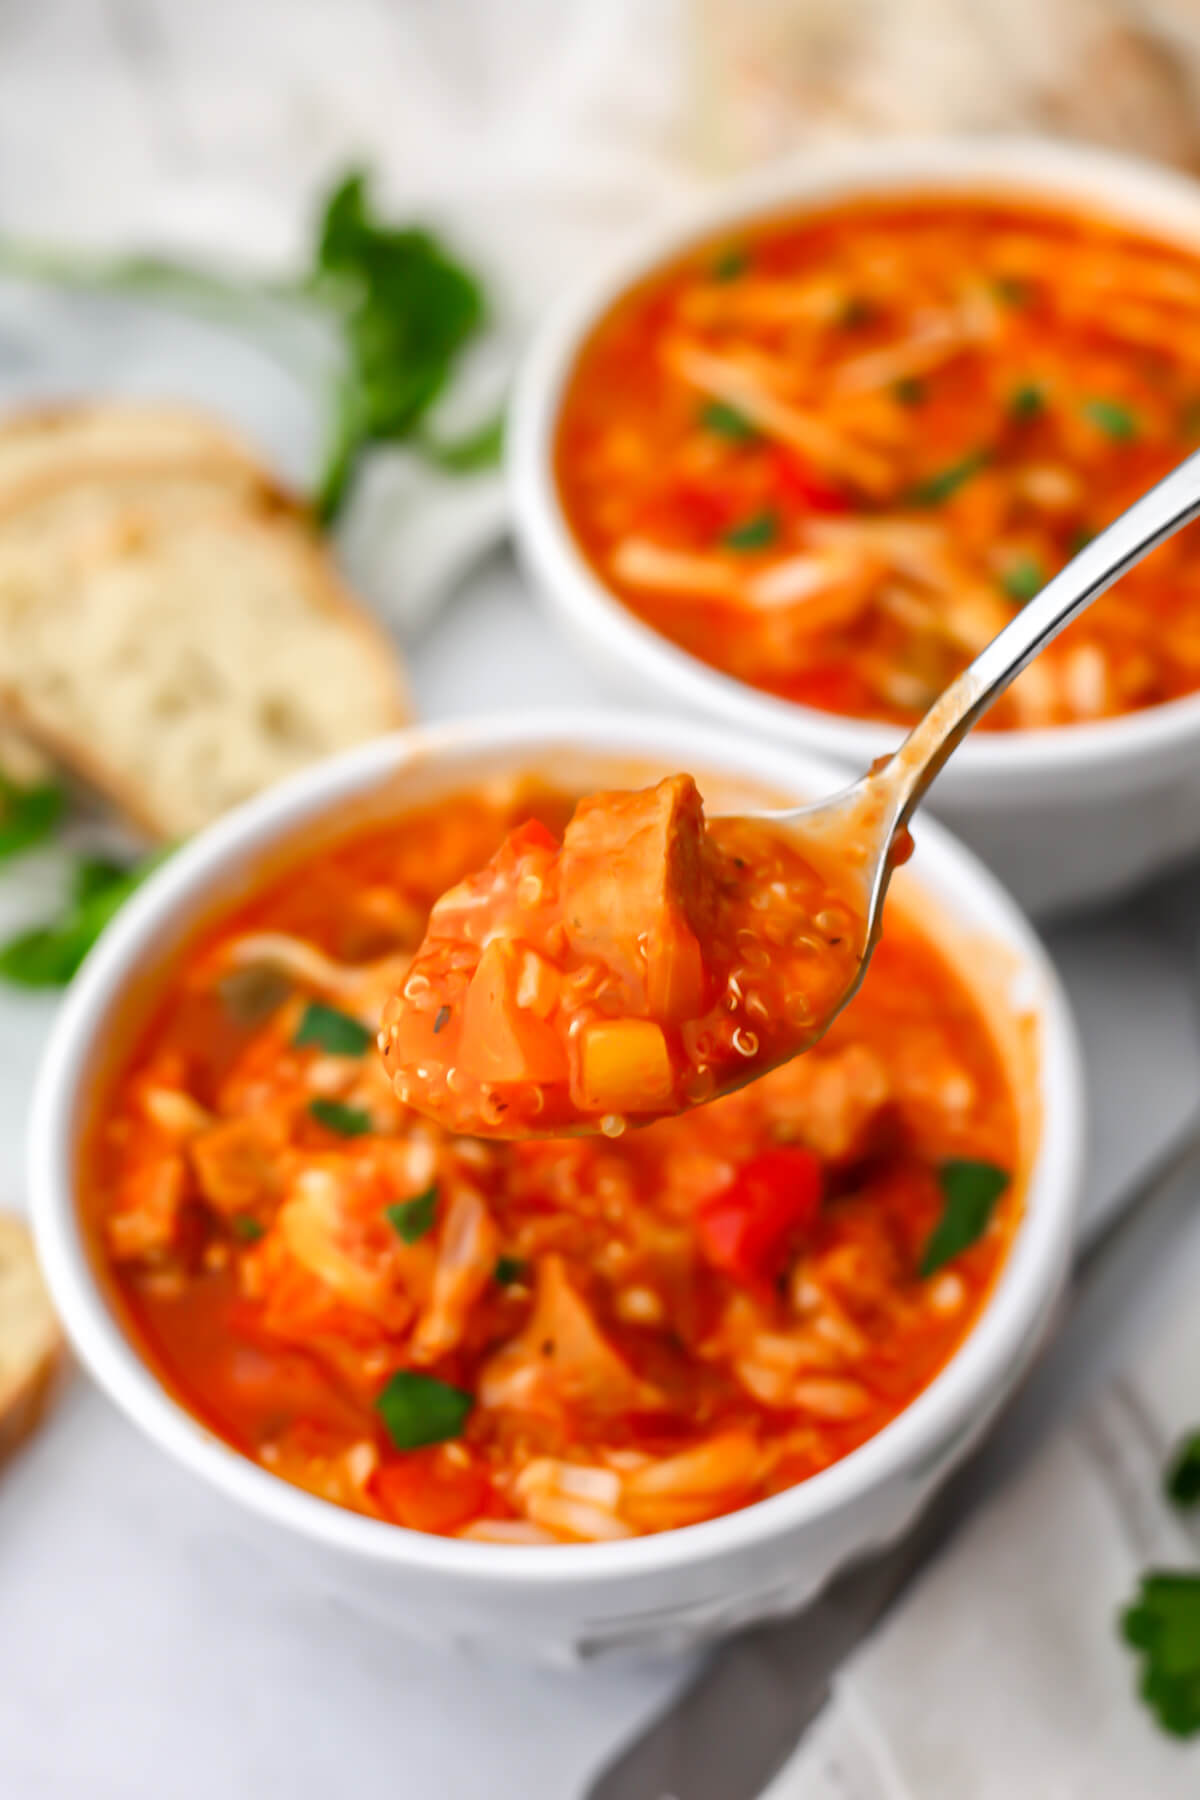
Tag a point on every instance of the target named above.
point(654, 959)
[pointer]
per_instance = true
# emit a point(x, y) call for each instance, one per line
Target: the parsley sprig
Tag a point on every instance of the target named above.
point(378, 320)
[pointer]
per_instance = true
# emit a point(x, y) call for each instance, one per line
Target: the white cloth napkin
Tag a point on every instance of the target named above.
point(1002, 1674)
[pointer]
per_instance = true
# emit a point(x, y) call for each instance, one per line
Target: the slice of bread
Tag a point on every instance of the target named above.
point(51, 445)
point(172, 630)
point(31, 1343)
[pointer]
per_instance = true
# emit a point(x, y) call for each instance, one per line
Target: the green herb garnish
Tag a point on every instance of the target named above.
point(754, 533)
point(1012, 290)
point(418, 1409)
point(936, 488)
point(910, 390)
point(331, 1030)
point(441, 1019)
point(510, 1269)
point(406, 309)
point(1081, 537)
point(730, 263)
point(47, 956)
point(246, 1228)
point(1182, 1481)
point(28, 815)
point(970, 1191)
point(388, 311)
point(481, 449)
point(856, 313)
point(1023, 580)
point(727, 422)
point(412, 1219)
point(1027, 402)
point(347, 1121)
point(1115, 420)
point(1164, 1625)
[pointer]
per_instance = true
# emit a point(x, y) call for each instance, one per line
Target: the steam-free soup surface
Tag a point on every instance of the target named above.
point(547, 1341)
point(834, 455)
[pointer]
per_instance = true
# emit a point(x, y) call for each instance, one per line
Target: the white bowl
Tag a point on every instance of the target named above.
point(572, 1601)
point(1066, 817)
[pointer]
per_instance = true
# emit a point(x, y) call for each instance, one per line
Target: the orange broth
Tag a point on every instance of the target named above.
point(833, 455)
point(553, 1340)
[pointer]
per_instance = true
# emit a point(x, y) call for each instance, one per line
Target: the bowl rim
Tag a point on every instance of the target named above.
point(1160, 202)
point(1013, 1310)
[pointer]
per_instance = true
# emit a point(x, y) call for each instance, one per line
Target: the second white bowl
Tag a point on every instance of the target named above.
point(1067, 817)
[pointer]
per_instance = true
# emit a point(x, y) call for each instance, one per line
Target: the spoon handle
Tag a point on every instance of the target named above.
point(1157, 515)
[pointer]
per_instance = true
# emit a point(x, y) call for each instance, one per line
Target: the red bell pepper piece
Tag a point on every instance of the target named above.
point(745, 1229)
point(806, 486)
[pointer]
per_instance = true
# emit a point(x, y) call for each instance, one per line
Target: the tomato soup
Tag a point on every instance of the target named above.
point(551, 1340)
point(832, 456)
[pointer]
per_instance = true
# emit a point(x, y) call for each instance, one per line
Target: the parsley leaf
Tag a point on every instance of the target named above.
point(1116, 421)
point(1027, 402)
point(28, 814)
point(246, 1228)
point(510, 1269)
point(727, 422)
point(970, 1191)
point(1182, 1482)
point(412, 1219)
point(331, 1030)
point(346, 1121)
point(946, 482)
point(407, 309)
point(480, 449)
point(1023, 580)
point(1163, 1623)
point(49, 955)
point(730, 263)
point(419, 1409)
point(754, 533)
point(910, 390)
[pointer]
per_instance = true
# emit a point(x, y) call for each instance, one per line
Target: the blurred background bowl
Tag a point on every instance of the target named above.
point(1067, 817)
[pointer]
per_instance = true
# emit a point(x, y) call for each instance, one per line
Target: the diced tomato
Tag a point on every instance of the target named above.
point(701, 513)
point(745, 1229)
point(806, 486)
point(427, 1491)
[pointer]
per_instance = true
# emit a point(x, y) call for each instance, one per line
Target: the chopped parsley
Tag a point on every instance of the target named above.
point(1116, 421)
point(1012, 290)
point(418, 1409)
point(727, 422)
point(730, 263)
point(754, 533)
point(1023, 580)
point(910, 390)
point(970, 1191)
point(346, 1121)
point(1182, 1481)
point(856, 313)
point(1163, 1624)
point(412, 1219)
point(331, 1030)
point(441, 1019)
point(247, 1228)
point(47, 956)
point(1081, 537)
point(510, 1269)
point(946, 482)
point(28, 815)
point(1027, 402)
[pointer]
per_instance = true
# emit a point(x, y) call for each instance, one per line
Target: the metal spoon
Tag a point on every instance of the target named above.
point(857, 828)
